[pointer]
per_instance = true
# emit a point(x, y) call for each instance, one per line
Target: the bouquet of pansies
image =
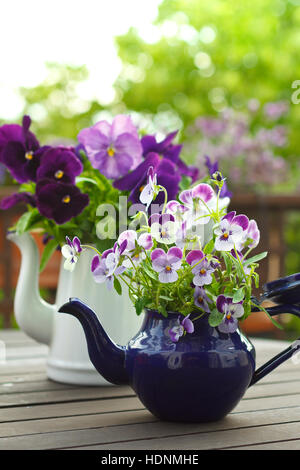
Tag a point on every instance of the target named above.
point(77, 190)
point(171, 264)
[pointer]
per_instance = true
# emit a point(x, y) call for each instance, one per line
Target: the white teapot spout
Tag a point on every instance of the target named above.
point(33, 315)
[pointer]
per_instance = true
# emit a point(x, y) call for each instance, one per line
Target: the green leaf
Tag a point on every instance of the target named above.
point(27, 220)
point(47, 253)
point(153, 275)
point(256, 258)
point(275, 323)
point(164, 297)
point(117, 286)
point(185, 182)
point(139, 305)
point(209, 247)
point(238, 295)
point(215, 318)
point(228, 263)
point(162, 309)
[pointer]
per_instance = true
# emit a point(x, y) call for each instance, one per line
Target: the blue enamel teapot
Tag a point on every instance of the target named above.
point(199, 379)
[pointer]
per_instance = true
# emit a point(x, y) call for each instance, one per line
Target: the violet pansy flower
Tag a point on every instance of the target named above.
point(201, 299)
point(114, 149)
point(185, 326)
point(163, 228)
point(198, 201)
point(232, 311)
point(105, 269)
point(16, 198)
point(70, 251)
point(202, 270)
point(167, 264)
point(19, 150)
point(60, 164)
point(134, 246)
point(135, 181)
point(230, 232)
point(213, 168)
point(167, 150)
point(59, 201)
point(253, 234)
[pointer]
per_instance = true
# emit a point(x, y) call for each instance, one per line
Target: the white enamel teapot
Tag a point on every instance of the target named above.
point(68, 359)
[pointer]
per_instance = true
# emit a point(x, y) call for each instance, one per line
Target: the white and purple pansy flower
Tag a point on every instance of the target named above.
point(70, 251)
point(231, 311)
point(253, 234)
point(150, 190)
point(185, 326)
point(202, 269)
point(201, 299)
point(167, 264)
point(179, 211)
point(134, 246)
point(231, 231)
point(198, 200)
point(105, 268)
point(163, 228)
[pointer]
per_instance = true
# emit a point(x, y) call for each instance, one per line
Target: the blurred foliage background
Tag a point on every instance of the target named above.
point(196, 60)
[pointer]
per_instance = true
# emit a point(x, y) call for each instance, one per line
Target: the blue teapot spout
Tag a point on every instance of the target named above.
point(107, 357)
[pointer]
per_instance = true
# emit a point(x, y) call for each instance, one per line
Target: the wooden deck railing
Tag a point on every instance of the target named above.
point(270, 212)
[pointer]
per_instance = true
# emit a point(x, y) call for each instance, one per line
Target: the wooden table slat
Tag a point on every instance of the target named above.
point(37, 413)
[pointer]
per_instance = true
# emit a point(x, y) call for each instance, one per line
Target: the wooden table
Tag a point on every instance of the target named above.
point(36, 413)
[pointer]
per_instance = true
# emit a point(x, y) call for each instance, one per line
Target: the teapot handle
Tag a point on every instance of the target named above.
point(284, 355)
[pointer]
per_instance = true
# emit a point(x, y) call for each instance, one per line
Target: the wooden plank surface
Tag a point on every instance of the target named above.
point(37, 413)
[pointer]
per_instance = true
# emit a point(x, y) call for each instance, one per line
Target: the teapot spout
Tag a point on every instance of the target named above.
point(107, 357)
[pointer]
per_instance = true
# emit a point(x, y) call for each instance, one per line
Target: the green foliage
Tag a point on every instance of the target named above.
point(213, 54)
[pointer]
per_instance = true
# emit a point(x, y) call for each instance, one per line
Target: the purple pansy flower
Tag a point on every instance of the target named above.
point(202, 269)
point(19, 150)
point(232, 311)
point(167, 264)
point(198, 201)
point(186, 325)
point(166, 149)
point(59, 201)
point(230, 232)
point(163, 228)
point(60, 164)
point(201, 299)
point(135, 181)
point(105, 268)
point(253, 233)
point(134, 245)
point(179, 211)
point(10, 201)
point(213, 168)
point(70, 251)
point(114, 149)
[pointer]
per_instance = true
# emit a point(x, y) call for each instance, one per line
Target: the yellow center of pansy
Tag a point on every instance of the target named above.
point(228, 316)
point(163, 233)
point(66, 199)
point(29, 155)
point(110, 152)
point(59, 174)
point(141, 188)
point(168, 268)
point(200, 300)
point(225, 235)
point(203, 271)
